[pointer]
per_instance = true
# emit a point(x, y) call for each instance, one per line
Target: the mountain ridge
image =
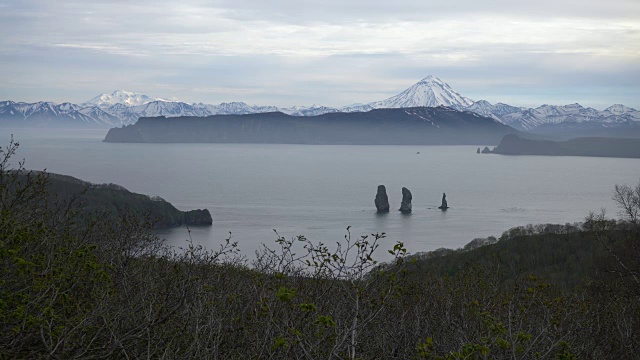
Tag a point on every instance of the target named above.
point(122, 107)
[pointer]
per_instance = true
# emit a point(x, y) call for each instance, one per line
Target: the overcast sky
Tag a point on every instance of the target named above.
point(328, 52)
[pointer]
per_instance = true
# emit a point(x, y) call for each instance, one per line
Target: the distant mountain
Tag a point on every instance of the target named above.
point(496, 111)
point(552, 116)
point(428, 92)
point(48, 114)
point(408, 126)
point(121, 97)
point(123, 108)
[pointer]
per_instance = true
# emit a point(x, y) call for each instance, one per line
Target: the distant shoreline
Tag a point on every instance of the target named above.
point(586, 146)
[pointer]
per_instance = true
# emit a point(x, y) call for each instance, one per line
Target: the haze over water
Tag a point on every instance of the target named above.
point(318, 191)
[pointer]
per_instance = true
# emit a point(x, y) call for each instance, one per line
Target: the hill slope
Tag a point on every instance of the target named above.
point(115, 200)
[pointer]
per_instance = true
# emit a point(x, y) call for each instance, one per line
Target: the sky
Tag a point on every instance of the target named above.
point(324, 52)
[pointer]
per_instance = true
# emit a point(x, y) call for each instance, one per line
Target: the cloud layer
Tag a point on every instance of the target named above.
point(329, 52)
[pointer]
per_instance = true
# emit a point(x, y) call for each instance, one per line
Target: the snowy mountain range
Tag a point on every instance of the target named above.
point(123, 108)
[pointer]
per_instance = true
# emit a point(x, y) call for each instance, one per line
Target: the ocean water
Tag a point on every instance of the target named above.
point(317, 191)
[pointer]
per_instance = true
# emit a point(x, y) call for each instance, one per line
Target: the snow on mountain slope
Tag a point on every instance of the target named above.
point(160, 108)
point(621, 110)
point(312, 110)
point(96, 116)
point(48, 113)
point(232, 108)
point(428, 92)
point(529, 118)
point(121, 97)
point(483, 107)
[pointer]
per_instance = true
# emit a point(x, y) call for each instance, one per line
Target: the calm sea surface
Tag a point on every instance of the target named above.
point(318, 191)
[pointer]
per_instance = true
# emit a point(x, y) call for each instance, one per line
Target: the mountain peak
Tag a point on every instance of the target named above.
point(123, 92)
point(618, 109)
point(122, 97)
point(429, 92)
point(430, 79)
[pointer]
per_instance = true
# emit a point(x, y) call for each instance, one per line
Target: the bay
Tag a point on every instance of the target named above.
point(320, 190)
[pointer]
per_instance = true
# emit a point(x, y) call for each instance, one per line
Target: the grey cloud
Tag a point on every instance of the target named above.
point(367, 10)
point(327, 52)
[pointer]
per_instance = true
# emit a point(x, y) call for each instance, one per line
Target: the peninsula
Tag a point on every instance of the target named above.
point(587, 146)
point(408, 126)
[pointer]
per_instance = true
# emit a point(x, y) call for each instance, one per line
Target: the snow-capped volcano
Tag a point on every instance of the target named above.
point(122, 97)
point(428, 92)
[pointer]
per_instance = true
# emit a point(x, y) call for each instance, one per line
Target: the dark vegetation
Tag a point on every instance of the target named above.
point(592, 146)
point(115, 201)
point(84, 287)
point(562, 254)
point(407, 126)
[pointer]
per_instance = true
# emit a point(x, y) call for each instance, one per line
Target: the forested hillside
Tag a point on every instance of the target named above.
point(113, 201)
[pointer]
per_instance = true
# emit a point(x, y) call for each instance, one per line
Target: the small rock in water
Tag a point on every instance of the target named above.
point(444, 205)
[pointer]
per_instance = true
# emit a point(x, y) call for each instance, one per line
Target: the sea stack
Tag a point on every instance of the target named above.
point(478, 152)
point(444, 205)
point(382, 200)
point(405, 207)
